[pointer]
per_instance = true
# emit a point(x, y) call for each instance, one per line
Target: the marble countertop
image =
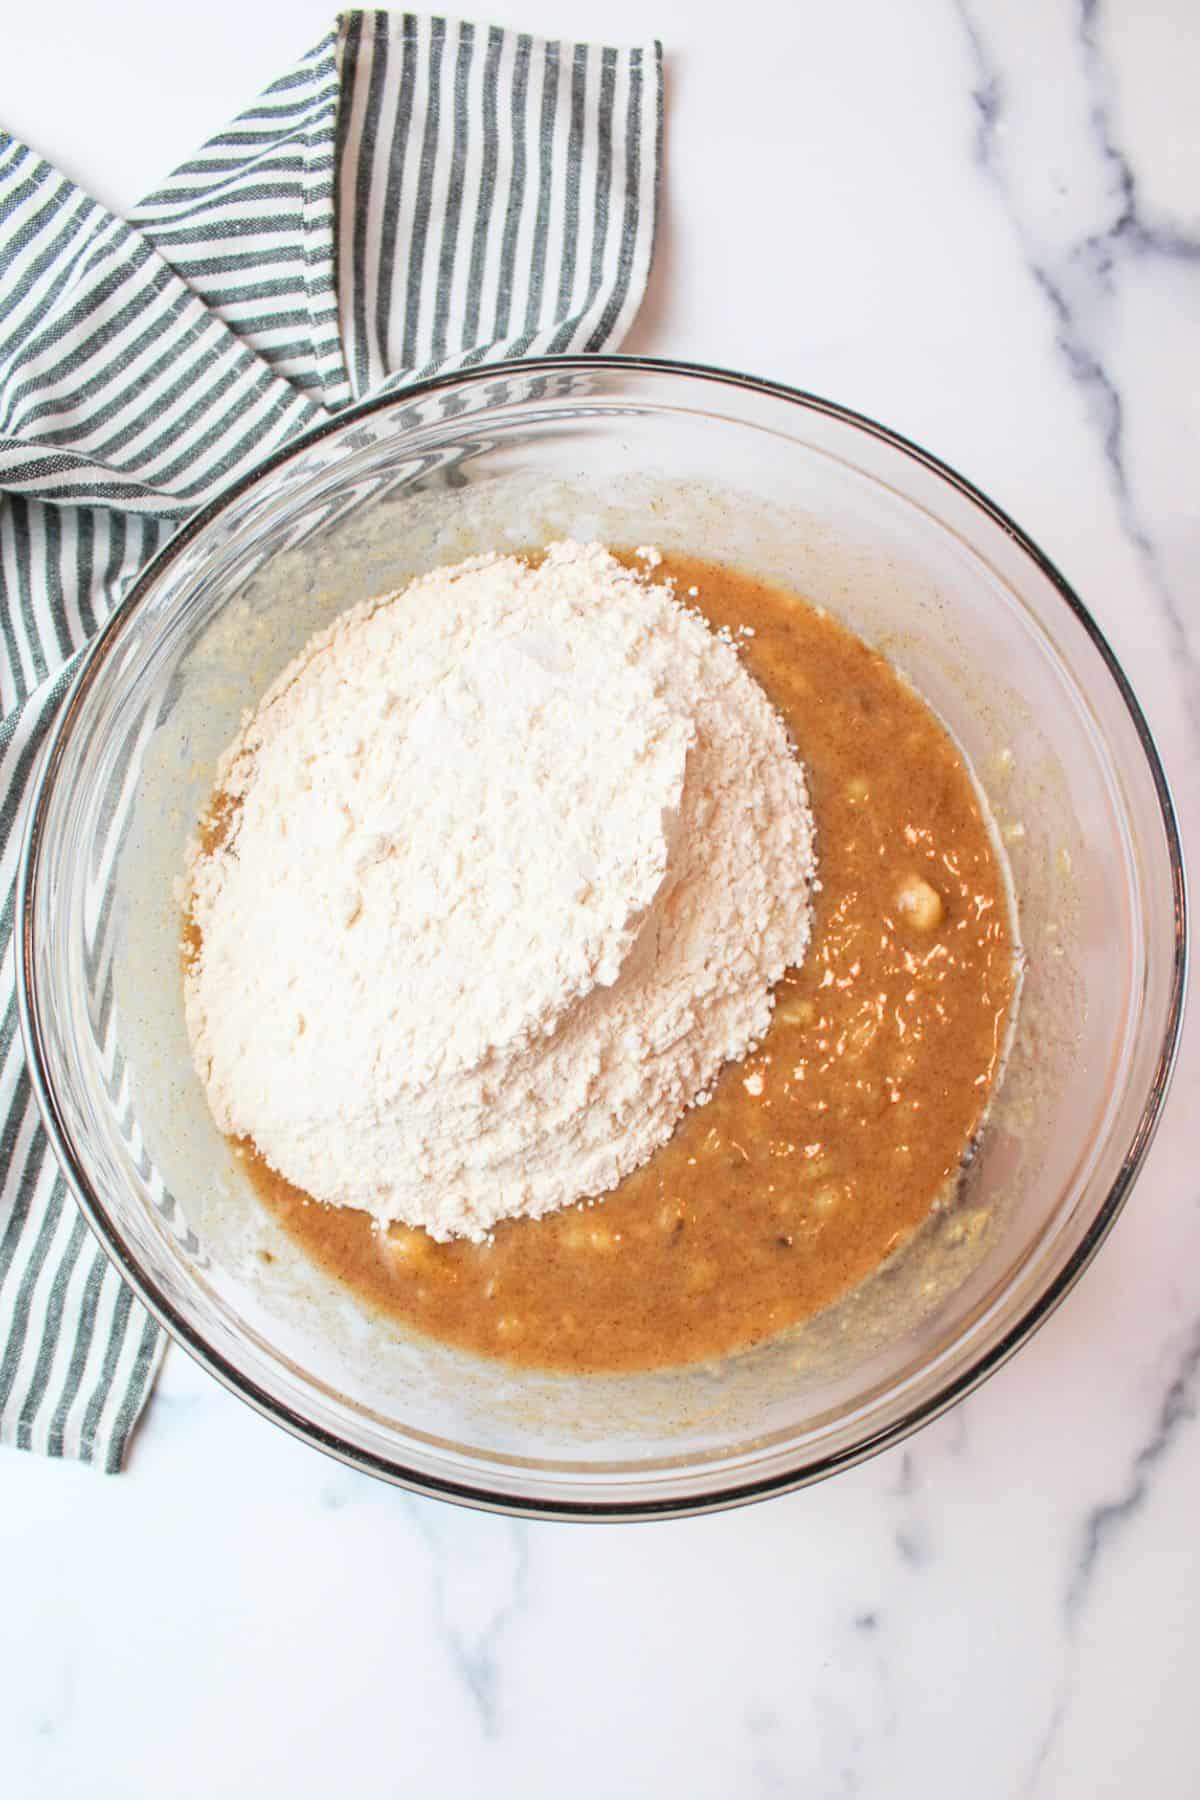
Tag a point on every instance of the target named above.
point(978, 220)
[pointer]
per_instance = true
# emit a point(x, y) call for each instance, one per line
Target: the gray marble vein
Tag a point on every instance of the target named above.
point(1076, 268)
point(1107, 1521)
point(1134, 229)
point(1049, 1739)
point(480, 1584)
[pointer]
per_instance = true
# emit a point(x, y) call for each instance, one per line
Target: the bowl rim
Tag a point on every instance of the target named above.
point(99, 1218)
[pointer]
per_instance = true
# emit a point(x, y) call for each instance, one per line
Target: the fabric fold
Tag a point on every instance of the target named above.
point(417, 195)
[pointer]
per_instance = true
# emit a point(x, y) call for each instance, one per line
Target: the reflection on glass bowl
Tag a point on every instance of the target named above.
point(741, 471)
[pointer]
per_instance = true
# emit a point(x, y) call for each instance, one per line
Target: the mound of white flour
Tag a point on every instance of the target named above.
point(516, 859)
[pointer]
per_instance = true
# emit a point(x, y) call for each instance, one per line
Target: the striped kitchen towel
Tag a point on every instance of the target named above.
point(418, 195)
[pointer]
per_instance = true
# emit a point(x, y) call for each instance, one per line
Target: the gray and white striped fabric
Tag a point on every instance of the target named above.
point(417, 195)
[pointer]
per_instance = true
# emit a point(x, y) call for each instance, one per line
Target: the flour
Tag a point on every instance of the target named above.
point(516, 858)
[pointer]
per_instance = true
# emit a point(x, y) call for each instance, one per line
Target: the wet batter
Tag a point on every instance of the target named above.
point(823, 1152)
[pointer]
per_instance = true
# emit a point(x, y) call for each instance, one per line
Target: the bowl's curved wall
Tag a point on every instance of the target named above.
point(630, 453)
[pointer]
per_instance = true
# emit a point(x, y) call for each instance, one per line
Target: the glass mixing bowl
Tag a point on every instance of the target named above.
point(741, 471)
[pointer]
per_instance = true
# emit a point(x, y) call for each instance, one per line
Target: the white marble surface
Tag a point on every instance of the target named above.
point(980, 221)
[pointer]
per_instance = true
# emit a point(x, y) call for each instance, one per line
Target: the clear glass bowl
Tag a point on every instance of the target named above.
point(743, 471)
